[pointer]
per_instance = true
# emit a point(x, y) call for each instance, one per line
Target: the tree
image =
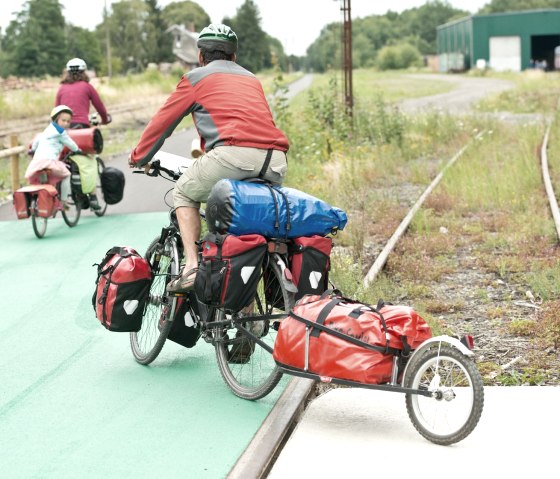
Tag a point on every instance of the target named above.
point(423, 21)
point(253, 50)
point(325, 52)
point(415, 27)
point(34, 42)
point(84, 43)
point(126, 29)
point(277, 56)
point(500, 6)
point(157, 42)
point(189, 14)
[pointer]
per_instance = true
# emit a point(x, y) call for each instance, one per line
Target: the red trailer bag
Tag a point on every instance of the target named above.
point(337, 337)
point(46, 200)
point(230, 270)
point(309, 263)
point(122, 287)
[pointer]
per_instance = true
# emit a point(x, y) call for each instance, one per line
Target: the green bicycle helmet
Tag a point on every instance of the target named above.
point(217, 37)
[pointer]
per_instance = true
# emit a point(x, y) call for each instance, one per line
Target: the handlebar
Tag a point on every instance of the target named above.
point(95, 119)
point(155, 169)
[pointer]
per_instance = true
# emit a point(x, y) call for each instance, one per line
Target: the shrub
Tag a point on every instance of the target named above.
point(395, 57)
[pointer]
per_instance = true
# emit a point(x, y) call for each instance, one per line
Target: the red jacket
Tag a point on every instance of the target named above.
point(77, 96)
point(228, 107)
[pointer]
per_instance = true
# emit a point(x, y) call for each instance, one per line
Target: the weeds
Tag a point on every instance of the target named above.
point(548, 326)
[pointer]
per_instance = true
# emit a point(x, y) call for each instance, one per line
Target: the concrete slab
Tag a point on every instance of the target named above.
point(359, 433)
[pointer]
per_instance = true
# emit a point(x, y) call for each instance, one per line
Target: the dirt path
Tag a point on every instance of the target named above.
point(465, 93)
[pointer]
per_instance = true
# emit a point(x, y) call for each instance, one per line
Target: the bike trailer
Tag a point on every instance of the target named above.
point(46, 200)
point(122, 287)
point(257, 207)
point(230, 270)
point(309, 262)
point(337, 337)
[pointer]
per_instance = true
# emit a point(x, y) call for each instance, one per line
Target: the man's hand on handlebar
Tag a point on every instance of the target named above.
point(131, 163)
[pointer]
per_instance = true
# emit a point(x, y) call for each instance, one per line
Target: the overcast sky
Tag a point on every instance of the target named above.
point(296, 23)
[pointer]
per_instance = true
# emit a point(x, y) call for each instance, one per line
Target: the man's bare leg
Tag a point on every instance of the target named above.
point(189, 227)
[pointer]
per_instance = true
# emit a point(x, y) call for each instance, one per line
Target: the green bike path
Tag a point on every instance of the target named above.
point(73, 402)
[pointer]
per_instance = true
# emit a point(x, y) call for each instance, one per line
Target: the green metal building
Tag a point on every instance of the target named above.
point(502, 41)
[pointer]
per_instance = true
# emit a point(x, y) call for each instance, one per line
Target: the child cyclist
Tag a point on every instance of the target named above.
point(47, 147)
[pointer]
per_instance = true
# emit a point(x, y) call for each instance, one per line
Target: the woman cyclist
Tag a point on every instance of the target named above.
point(76, 92)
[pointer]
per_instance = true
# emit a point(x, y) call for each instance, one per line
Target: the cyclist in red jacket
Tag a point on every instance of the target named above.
point(76, 92)
point(236, 128)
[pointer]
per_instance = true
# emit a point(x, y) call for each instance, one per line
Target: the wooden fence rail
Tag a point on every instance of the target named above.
point(13, 153)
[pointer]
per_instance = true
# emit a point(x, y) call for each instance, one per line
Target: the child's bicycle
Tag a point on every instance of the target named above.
point(443, 389)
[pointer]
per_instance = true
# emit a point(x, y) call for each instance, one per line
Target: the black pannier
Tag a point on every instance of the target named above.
point(230, 270)
point(183, 330)
point(112, 184)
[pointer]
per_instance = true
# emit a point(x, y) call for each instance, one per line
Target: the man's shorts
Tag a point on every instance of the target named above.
point(233, 162)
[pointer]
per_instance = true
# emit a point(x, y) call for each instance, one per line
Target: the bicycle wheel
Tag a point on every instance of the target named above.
point(247, 368)
point(99, 190)
point(71, 215)
point(453, 412)
point(39, 223)
point(147, 343)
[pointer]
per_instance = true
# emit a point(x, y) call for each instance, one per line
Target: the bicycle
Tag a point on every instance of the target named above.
point(243, 343)
point(444, 393)
point(72, 209)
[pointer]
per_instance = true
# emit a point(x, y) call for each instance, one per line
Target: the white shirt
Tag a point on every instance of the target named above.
point(50, 143)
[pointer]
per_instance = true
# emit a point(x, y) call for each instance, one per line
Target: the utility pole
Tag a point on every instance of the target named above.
point(107, 41)
point(347, 55)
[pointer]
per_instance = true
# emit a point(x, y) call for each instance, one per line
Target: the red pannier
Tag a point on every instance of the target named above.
point(230, 270)
point(336, 337)
point(46, 200)
point(122, 288)
point(309, 263)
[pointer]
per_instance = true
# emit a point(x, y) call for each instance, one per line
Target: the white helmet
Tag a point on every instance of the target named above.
point(57, 110)
point(76, 65)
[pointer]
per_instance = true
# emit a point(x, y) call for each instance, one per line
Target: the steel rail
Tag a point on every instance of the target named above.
point(380, 261)
point(548, 183)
